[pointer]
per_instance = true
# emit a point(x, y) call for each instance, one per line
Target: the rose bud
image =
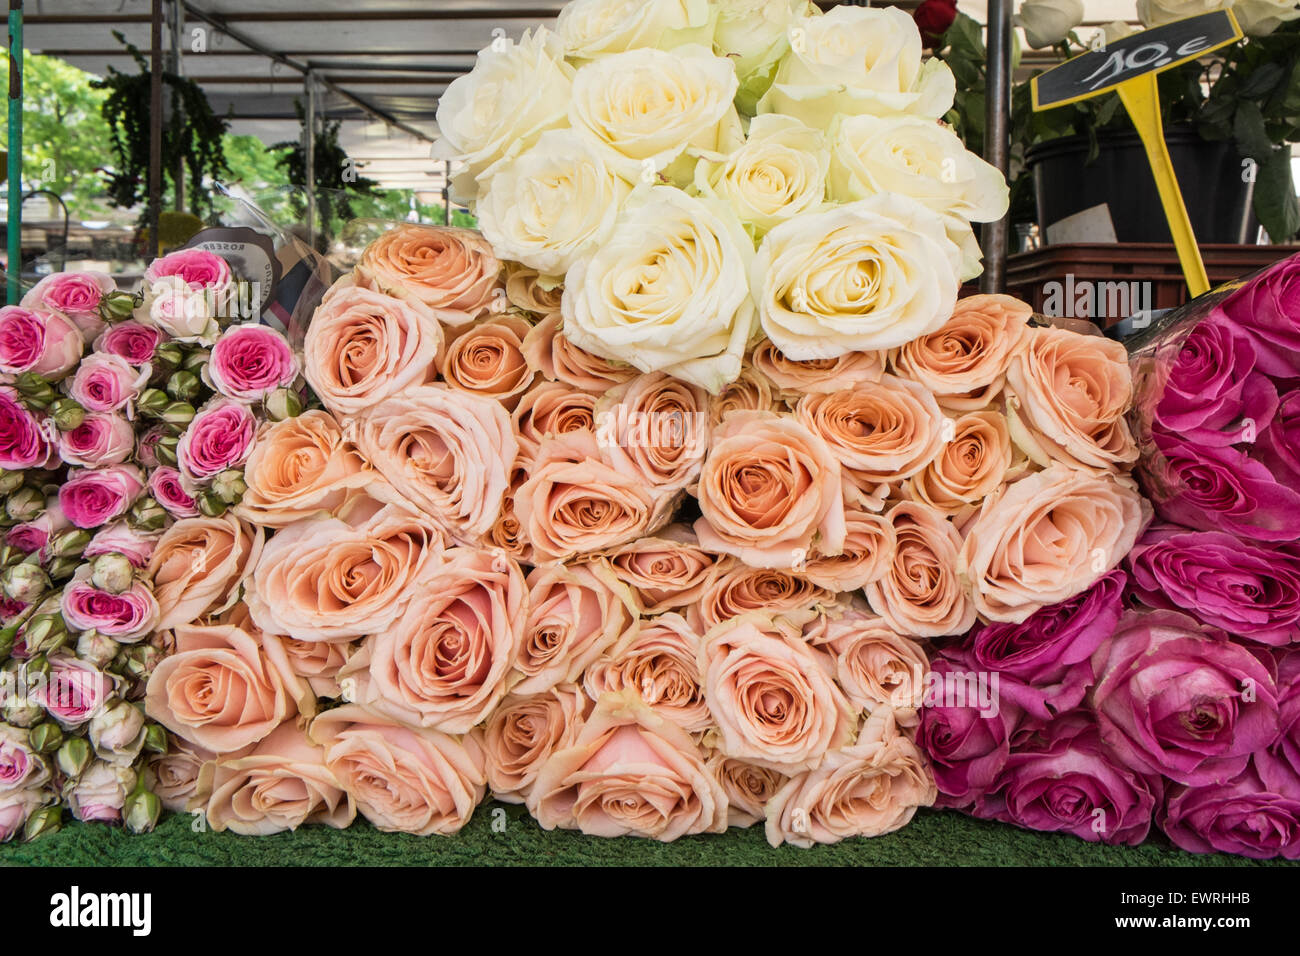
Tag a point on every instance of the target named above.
point(283, 403)
point(229, 486)
point(183, 385)
point(165, 450)
point(138, 661)
point(35, 391)
point(10, 481)
point(141, 811)
point(178, 413)
point(168, 356)
point(25, 582)
point(111, 572)
point(45, 633)
point(43, 821)
point(61, 568)
point(67, 414)
point(195, 360)
point(117, 733)
point(36, 669)
point(96, 648)
point(70, 544)
point(73, 756)
point(117, 306)
point(151, 402)
point(147, 515)
point(45, 737)
point(155, 739)
point(210, 505)
point(20, 712)
point(25, 504)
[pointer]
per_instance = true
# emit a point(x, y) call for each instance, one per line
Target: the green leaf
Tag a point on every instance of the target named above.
point(1249, 132)
point(1275, 199)
point(1260, 83)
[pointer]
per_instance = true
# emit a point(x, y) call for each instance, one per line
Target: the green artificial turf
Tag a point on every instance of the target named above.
point(933, 839)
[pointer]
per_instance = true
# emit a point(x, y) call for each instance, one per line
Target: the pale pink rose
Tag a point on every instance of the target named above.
point(768, 489)
point(281, 784)
point(181, 311)
point(323, 579)
point(1047, 538)
point(120, 538)
point(739, 589)
point(317, 662)
point(74, 295)
point(666, 571)
point(773, 695)
point(748, 788)
point(219, 690)
point(447, 453)
point(363, 346)
point(102, 438)
point(452, 271)
point(23, 439)
point(403, 779)
point(100, 793)
point(575, 613)
point(20, 767)
point(922, 594)
point(506, 533)
point(629, 773)
point(867, 554)
point(816, 376)
point(573, 503)
point(869, 789)
point(752, 391)
point(133, 341)
point(250, 361)
point(972, 464)
point(522, 733)
point(876, 666)
point(73, 692)
point(549, 352)
point(146, 446)
point(1067, 397)
point(655, 428)
point(43, 343)
point(105, 382)
point(659, 661)
point(550, 408)
point(218, 438)
point(174, 776)
point(16, 806)
point(199, 564)
point(91, 498)
point(167, 487)
point(965, 363)
point(487, 358)
point(198, 268)
point(126, 617)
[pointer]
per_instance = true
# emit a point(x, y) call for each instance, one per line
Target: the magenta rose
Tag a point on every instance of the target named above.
point(130, 340)
point(120, 538)
point(1242, 816)
point(40, 342)
point(1221, 489)
point(249, 361)
point(124, 617)
point(1046, 660)
point(1214, 395)
point(1278, 446)
point(74, 295)
point(102, 438)
point(1268, 309)
point(1061, 774)
point(967, 743)
point(91, 498)
point(165, 486)
point(1177, 698)
point(218, 438)
point(199, 269)
point(73, 691)
point(32, 536)
point(104, 382)
point(146, 446)
point(1249, 591)
point(22, 439)
point(1279, 763)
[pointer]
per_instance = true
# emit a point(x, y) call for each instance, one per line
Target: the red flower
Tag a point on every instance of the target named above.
point(933, 18)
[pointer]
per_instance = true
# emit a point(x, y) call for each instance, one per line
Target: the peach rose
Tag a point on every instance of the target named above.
point(447, 453)
point(748, 788)
point(443, 663)
point(669, 570)
point(524, 731)
point(573, 503)
point(630, 772)
point(280, 785)
point(403, 779)
point(526, 291)
point(199, 564)
point(299, 468)
point(550, 352)
point(739, 589)
point(867, 555)
point(487, 359)
point(768, 488)
point(575, 613)
point(326, 580)
point(174, 775)
point(869, 789)
point(1047, 538)
point(965, 362)
point(506, 533)
point(772, 694)
point(751, 391)
point(363, 346)
point(1068, 396)
point(316, 662)
point(219, 690)
point(973, 463)
point(922, 594)
point(450, 270)
point(655, 427)
point(551, 408)
point(876, 666)
point(660, 662)
point(816, 376)
point(881, 433)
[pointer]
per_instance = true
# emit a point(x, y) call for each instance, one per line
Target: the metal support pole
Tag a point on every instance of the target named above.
point(15, 160)
point(997, 139)
point(309, 155)
point(176, 22)
point(155, 125)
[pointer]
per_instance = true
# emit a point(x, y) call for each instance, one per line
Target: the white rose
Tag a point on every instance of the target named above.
point(752, 33)
point(858, 60)
point(592, 28)
point(515, 92)
point(551, 204)
point(1261, 17)
point(1116, 30)
point(185, 314)
point(667, 291)
point(779, 172)
point(924, 160)
point(870, 275)
point(1153, 13)
point(1048, 22)
point(646, 108)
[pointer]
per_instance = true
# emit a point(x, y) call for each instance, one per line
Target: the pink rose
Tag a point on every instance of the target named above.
point(20, 768)
point(100, 793)
point(32, 536)
point(199, 269)
point(667, 571)
point(104, 382)
point(46, 344)
point(740, 588)
point(124, 617)
point(102, 438)
point(249, 361)
point(218, 438)
point(15, 807)
point(74, 295)
point(199, 564)
point(165, 486)
point(91, 498)
point(119, 538)
point(175, 774)
point(181, 312)
point(22, 440)
point(550, 408)
point(130, 340)
point(73, 692)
